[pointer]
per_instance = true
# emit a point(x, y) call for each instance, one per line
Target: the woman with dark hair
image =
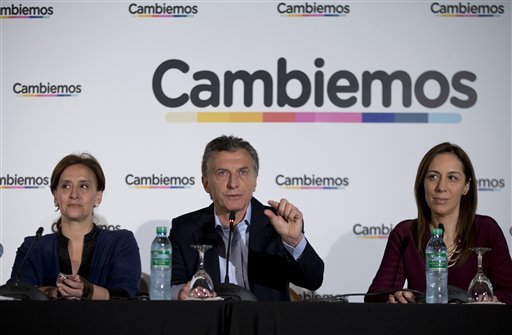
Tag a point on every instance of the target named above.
point(80, 260)
point(446, 192)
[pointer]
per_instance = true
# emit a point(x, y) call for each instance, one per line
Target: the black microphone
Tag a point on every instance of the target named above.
point(39, 232)
point(232, 219)
point(231, 227)
point(227, 290)
point(20, 290)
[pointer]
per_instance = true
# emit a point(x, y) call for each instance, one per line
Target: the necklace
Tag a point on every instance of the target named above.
point(453, 254)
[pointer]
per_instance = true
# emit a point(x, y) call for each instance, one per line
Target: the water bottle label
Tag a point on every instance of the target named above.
point(437, 261)
point(161, 258)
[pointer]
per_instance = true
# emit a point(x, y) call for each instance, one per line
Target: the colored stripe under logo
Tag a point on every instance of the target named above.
point(310, 117)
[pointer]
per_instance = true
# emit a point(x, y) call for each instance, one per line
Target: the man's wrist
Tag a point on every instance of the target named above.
point(293, 242)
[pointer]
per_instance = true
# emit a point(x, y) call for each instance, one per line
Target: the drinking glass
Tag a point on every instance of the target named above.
point(201, 278)
point(480, 289)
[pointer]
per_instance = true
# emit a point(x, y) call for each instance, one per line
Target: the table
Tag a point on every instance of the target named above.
point(246, 318)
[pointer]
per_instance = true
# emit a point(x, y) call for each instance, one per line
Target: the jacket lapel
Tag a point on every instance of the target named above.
point(260, 229)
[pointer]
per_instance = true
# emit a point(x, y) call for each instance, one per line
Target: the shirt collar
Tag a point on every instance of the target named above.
point(246, 220)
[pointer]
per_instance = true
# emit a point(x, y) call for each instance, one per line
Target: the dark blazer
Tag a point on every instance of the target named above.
point(115, 265)
point(270, 267)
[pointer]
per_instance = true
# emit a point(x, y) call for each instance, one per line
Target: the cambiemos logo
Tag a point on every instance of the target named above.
point(371, 232)
point(467, 9)
point(159, 181)
point(102, 225)
point(19, 11)
point(311, 182)
point(46, 90)
point(341, 89)
point(308, 9)
point(491, 184)
point(162, 10)
point(313, 296)
point(15, 181)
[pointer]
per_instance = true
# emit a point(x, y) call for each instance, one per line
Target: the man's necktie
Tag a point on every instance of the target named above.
point(237, 257)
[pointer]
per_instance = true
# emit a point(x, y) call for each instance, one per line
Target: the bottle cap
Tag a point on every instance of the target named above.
point(437, 231)
point(161, 230)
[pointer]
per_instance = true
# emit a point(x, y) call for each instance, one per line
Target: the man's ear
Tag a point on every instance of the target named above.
point(204, 181)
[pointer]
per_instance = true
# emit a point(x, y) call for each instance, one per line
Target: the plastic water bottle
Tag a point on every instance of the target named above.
point(161, 266)
point(436, 266)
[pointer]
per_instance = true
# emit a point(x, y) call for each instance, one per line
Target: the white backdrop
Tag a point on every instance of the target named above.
point(104, 56)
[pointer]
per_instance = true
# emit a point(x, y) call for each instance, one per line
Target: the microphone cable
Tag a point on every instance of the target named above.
point(344, 297)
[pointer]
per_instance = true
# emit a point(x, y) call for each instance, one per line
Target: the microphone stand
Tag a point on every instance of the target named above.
point(227, 290)
point(23, 291)
point(231, 227)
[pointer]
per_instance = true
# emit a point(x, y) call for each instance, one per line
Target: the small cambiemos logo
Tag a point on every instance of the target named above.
point(311, 182)
point(491, 184)
point(42, 90)
point(312, 9)
point(467, 9)
point(20, 11)
point(101, 223)
point(16, 181)
point(372, 232)
point(159, 181)
point(162, 10)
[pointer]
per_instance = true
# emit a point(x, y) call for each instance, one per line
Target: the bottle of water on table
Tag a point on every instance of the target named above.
point(436, 268)
point(161, 266)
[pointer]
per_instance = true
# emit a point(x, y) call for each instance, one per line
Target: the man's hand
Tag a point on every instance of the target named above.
point(288, 221)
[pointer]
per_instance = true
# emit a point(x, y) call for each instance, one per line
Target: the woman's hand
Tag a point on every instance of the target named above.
point(52, 292)
point(74, 287)
point(402, 297)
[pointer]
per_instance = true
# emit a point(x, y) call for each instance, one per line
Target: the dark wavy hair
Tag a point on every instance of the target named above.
point(465, 231)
